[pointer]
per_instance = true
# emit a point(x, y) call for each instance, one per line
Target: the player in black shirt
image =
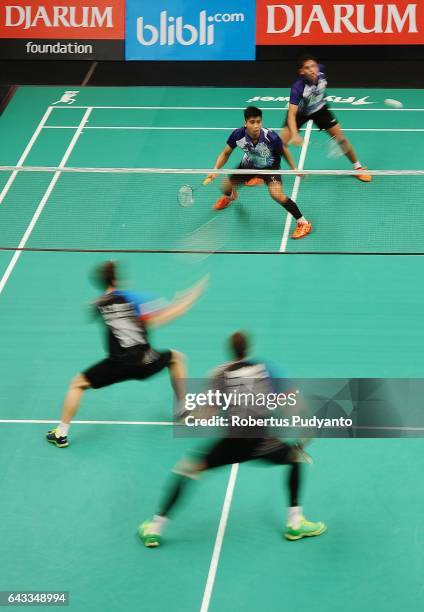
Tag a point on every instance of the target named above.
point(127, 316)
point(230, 450)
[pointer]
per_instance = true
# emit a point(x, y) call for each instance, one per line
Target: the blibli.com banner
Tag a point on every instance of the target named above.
point(190, 30)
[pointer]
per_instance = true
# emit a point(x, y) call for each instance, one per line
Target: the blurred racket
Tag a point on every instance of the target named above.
point(186, 193)
point(336, 149)
point(332, 148)
point(205, 240)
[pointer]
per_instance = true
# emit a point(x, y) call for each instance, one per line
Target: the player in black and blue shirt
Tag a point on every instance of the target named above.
point(249, 445)
point(307, 102)
point(127, 316)
point(263, 150)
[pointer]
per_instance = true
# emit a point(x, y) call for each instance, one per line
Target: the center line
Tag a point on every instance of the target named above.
point(296, 185)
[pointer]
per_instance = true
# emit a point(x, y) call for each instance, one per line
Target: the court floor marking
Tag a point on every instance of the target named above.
point(26, 151)
point(239, 108)
point(219, 538)
point(401, 428)
point(227, 129)
point(43, 201)
point(296, 185)
point(221, 171)
point(78, 422)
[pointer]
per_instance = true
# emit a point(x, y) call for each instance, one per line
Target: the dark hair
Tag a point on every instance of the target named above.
point(305, 58)
point(252, 111)
point(239, 344)
point(106, 274)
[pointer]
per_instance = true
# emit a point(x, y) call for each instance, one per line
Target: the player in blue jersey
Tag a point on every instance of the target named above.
point(237, 447)
point(263, 150)
point(307, 102)
point(127, 316)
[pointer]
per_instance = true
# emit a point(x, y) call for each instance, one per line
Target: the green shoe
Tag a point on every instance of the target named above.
point(306, 529)
point(151, 540)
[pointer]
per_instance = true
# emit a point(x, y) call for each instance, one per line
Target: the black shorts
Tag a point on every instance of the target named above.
point(237, 179)
point(237, 450)
point(111, 371)
point(323, 119)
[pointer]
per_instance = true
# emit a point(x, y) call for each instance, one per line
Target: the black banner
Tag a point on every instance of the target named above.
point(21, 48)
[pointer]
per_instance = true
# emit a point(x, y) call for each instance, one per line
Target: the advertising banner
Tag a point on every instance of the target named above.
point(69, 29)
point(320, 22)
point(187, 30)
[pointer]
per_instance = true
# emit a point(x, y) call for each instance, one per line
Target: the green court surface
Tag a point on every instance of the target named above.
point(69, 517)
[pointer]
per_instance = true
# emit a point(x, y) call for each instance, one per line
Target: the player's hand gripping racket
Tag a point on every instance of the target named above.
point(186, 193)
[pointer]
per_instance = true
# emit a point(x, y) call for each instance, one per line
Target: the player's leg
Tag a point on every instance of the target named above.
point(336, 132)
point(178, 374)
point(154, 361)
point(324, 119)
point(303, 227)
point(223, 452)
point(229, 193)
point(71, 403)
point(102, 374)
point(345, 145)
point(277, 452)
point(185, 472)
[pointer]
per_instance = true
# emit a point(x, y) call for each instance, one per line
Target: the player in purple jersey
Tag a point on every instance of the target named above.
point(127, 317)
point(263, 150)
point(257, 444)
point(307, 102)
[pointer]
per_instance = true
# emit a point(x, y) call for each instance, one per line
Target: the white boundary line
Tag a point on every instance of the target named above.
point(219, 538)
point(227, 129)
point(26, 152)
point(238, 108)
point(296, 185)
point(47, 421)
point(43, 201)
point(221, 171)
point(172, 423)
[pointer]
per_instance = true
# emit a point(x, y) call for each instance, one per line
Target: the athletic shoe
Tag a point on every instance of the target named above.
point(363, 176)
point(225, 201)
point(181, 416)
point(306, 529)
point(59, 441)
point(253, 182)
point(302, 230)
point(151, 540)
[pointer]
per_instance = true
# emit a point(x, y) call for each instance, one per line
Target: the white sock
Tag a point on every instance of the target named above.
point(302, 220)
point(158, 524)
point(62, 429)
point(294, 516)
point(357, 165)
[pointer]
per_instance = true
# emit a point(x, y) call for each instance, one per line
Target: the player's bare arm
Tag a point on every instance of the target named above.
point(221, 160)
